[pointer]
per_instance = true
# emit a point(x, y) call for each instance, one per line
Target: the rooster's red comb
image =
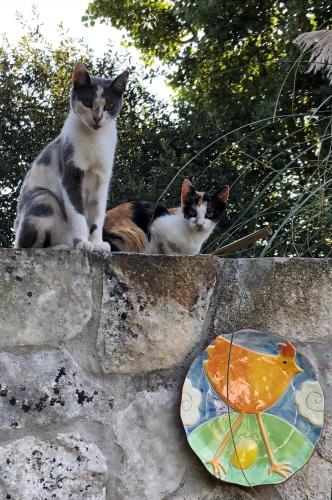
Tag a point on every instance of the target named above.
point(287, 349)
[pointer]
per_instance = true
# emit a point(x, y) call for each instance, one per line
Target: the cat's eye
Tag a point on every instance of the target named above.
point(210, 214)
point(87, 103)
point(192, 212)
point(109, 106)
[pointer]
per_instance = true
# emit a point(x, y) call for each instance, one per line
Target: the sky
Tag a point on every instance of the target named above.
point(69, 12)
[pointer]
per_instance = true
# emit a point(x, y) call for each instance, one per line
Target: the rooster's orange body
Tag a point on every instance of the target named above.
point(256, 381)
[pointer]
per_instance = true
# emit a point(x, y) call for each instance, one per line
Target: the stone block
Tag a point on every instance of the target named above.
point(64, 467)
point(40, 388)
point(45, 296)
point(153, 310)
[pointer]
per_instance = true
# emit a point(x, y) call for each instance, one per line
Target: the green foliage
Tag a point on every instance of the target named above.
point(246, 114)
point(234, 67)
point(34, 102)
point(152, 23)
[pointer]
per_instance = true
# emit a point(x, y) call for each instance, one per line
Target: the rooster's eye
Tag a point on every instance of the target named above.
point(285, 362)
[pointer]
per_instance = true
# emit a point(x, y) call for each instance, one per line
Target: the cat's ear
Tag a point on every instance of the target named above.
point(222, 194)
point(120, 82)
point(187, 191)
point(81, 76)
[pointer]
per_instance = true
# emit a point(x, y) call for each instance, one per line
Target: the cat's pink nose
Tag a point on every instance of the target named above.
point(97, 118)
point(199, 225)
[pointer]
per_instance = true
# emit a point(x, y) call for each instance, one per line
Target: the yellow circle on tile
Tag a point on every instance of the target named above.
point(247, 452)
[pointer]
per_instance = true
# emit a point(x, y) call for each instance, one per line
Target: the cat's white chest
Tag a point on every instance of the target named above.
point(97, 152)
point(171, 231)
point(186, 245)
point(91, 183)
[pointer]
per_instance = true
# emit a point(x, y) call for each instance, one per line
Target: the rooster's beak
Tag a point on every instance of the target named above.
point(298, 369)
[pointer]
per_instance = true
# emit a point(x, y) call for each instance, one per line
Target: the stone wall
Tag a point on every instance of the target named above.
point(94, 352)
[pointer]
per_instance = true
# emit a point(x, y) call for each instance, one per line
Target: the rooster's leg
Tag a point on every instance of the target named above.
point(281, 469)
point(214, 461)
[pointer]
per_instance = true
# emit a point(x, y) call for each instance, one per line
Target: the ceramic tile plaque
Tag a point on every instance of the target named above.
point(262, 426)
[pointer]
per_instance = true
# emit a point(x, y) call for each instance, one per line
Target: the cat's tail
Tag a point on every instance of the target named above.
point(116, 241)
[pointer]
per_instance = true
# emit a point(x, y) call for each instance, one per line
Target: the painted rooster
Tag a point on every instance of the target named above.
point(256, 382)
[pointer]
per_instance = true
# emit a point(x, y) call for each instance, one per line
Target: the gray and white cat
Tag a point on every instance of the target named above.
point(63, 197)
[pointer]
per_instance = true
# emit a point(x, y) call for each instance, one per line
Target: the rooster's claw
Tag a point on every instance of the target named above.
point(216, 466)
point(281, 469)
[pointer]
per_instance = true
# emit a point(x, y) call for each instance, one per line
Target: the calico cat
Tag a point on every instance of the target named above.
point(63, 197)
point(146, 228)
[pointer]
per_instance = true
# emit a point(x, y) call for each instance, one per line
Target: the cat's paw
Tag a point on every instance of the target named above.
point(85, 245)
point(102, 246)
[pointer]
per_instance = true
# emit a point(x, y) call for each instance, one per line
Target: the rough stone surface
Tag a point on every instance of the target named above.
point(142, 431)
point(292, 297)
point(152, 313)
point(43, 300)
point(106, 359)
point(47, 387)
point(311, 482)
point(65, 467)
